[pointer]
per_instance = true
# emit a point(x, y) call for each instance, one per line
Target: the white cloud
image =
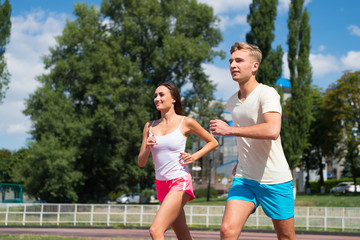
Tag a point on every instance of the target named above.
point(327, 68)
point(321, 48)
point(19, 128)
point(31, 37)
point(354, 30)
point(226, 86)
point(285, 66)
point(226, 6)
point(307, 2)
point(226, 21)
point(283, 6)
point(222, 6)
point(351, 61)
point(323, 64)
point(11, 113)
point(240, 20)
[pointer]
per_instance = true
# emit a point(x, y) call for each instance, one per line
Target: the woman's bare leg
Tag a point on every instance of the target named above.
point(171, 213)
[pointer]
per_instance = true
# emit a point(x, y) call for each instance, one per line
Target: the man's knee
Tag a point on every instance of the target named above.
point(227, 231)
point(285, 229)
point(286, 236)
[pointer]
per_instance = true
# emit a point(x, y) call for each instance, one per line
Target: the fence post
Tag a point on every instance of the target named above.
point(207, 216)
point(325, 219)
point(58, 215)
point(6, 215)
point(41, 213)
point(75, 211)
point(307, 218)
point(24, 215)
point(108, 215)
point(141, 214)
point(92, 214)
point(343, 220)
point(125, 215)
point(191, 214)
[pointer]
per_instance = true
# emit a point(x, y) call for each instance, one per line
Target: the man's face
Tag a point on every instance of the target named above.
point(242, 65)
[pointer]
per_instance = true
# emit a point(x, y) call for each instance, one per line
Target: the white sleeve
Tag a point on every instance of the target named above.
point(270, 100)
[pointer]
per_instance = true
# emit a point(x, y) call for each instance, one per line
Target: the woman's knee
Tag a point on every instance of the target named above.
point(155, 232)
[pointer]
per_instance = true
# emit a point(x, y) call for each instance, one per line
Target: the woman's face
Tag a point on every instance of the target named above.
point(163, 99)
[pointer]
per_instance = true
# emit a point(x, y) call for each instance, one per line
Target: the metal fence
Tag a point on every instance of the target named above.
point(307, 218)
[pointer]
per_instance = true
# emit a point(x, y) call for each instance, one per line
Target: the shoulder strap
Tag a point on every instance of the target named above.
point(181, 122)
point(150, 133)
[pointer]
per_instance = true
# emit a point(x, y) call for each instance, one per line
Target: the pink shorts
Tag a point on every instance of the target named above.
point(178, 184)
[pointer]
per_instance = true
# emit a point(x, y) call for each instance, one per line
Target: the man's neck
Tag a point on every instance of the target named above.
point(246, 88)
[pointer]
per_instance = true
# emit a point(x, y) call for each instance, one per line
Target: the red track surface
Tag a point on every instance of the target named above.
point(100, 233)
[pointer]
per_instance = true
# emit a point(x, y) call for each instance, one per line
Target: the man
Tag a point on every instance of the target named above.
point(262, 174)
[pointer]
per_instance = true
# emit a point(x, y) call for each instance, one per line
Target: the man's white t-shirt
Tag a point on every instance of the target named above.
point(258, 159)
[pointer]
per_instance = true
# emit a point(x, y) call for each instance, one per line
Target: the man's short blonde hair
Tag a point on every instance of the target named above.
point(255, 51)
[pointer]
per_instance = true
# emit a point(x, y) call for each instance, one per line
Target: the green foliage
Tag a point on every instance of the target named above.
point(10, 163)
point(202, 193)
point(342, 108)
point(146, 194)
point(88, 114)
point(297, 115)
point(5, 165)
point(312, 157)
point(5, 27)
point(53, 165)
point(262, 21)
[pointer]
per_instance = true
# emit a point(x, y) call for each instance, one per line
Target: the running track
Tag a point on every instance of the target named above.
point(101, 233)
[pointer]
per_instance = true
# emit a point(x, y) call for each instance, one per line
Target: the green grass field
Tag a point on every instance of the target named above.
point(327, 200)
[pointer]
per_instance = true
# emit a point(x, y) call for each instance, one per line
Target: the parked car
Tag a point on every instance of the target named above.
point(148, 199)
point(153, 199)
point(128, 198)
point(224, 195)
point(344, 187)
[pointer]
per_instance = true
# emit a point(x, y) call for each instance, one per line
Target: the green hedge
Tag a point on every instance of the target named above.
point(315, 186)
point(202, 192)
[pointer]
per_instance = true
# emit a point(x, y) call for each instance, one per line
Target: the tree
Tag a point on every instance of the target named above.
point(314, 155)
point(262, 21)
point(5, 165)
point(170, 45)
point(298, 117)
point(342, 106)
point(10, 162)
point(5, 27)
point(90, 110)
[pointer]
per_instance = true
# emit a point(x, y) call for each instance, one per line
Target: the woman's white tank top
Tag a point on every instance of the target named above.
point(166, 154)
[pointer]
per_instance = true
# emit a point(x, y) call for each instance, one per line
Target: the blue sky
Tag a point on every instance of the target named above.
point(335, 47)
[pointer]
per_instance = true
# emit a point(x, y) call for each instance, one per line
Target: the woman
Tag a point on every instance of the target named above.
point(165, 138)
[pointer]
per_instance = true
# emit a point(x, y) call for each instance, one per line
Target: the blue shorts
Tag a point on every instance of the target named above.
point(277, 200)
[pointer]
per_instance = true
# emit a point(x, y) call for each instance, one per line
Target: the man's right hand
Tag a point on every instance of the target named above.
point(219, 127)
